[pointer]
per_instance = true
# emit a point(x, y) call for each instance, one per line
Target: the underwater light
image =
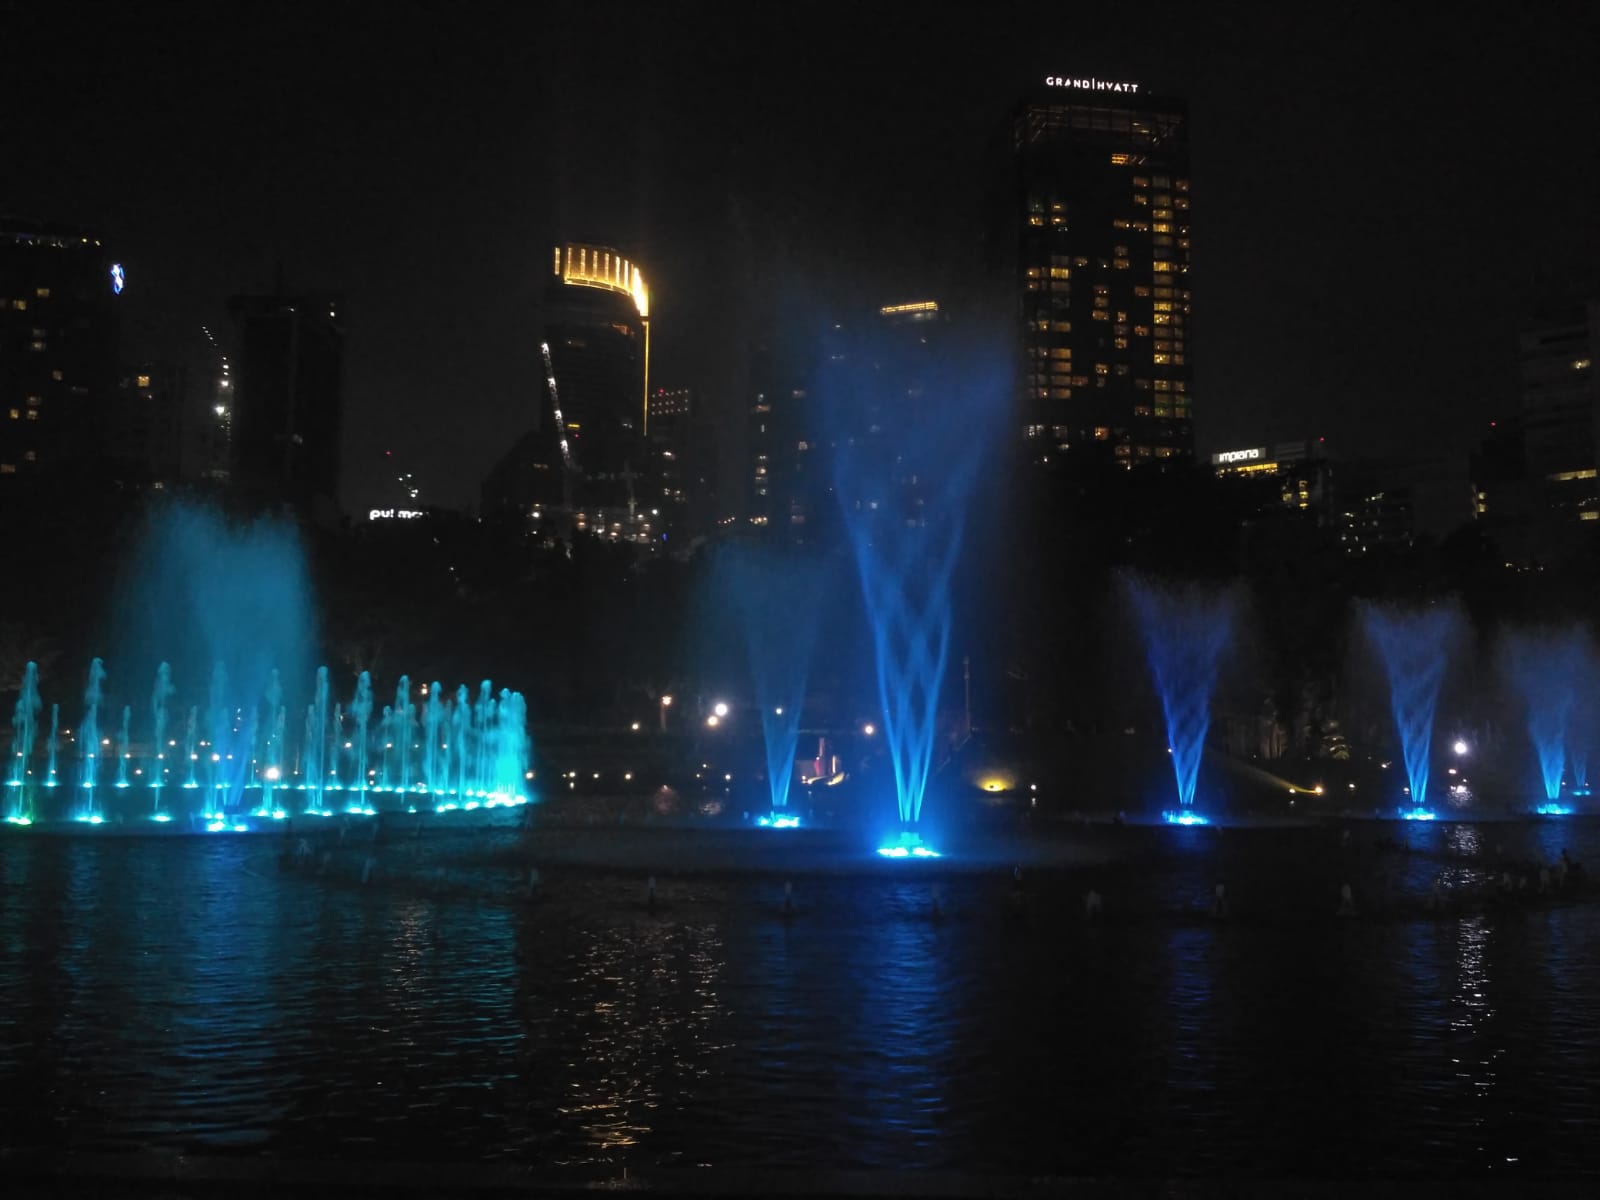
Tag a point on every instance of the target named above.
point(19, 820)
point(91, 819)
point(775, 821)
point(161, 818)
point(1554, 810)
point(1185, 817)
point(1417, 814)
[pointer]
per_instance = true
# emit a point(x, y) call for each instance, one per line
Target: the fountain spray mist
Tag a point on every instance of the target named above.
point(89, 736)
point(1185, 631)
point(24, 728)
point(160, 693)
point(1544, 666)
point(1414, 645)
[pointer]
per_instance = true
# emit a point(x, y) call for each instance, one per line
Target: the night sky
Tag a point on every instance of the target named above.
point(1380, 201)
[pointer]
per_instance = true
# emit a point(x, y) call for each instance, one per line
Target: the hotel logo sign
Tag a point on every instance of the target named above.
point(1225, 457)
point(1090, 84)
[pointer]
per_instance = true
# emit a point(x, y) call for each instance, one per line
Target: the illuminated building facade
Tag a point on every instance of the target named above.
point(1099, 241)
point(58, 340)
point(286, 380)
point(597, 329)
point(1289, 475)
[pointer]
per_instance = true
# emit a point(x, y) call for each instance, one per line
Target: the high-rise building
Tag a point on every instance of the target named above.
point(597, 330)
point(1560, 409)
point(1097, 248)
point(58, 343)
point(287, 414)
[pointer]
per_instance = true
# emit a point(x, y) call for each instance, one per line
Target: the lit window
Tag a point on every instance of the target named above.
point(8, 468)
point(33, 414)
point(1100, 314)
point(43, 293)
point(1140, 289)
point(1120, 160)
point(1061, 352)
point(29, 456)
point(1102, 369)
point(1138, 199)
point(1580, 364)
point(1102, 433)
point(1120, 343)
point(33, 402)
point(57, 375)
point(36, 346)
point(1161, 359)
point(1061, 393)
point(1140, 181)
point(20, 305)
point(143, 381)
point(1060, 273)
point(1035, 219)
point(16, 414)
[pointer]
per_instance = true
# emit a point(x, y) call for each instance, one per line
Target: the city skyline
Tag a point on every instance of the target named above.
point(1384, 206)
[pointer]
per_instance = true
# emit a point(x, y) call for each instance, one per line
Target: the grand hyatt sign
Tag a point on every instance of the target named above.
point(1090, 85)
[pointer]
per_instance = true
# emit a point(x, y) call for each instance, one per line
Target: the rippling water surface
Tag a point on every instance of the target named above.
point(179, 993)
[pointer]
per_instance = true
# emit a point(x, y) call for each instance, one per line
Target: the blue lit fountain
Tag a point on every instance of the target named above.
point(1185, 631)
point(1549, 669)
point(905, 499)
point(1414, 645)
point(230, 606)
point(779, 602)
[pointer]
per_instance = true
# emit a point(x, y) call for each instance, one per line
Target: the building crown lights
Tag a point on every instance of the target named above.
point(598, 267)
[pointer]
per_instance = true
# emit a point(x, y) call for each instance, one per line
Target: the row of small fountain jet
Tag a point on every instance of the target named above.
point(227, 762)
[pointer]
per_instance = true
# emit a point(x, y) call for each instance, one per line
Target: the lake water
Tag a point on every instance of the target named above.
point(185, 994)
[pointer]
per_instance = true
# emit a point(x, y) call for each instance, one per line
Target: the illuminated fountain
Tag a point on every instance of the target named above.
point(1414, 646)
point(905, 502)
point(89, 739)
point(1185, 632)
point(254, 765)
point(1547, 668)
point(779, 603)
point(24, 728)
point(228, 606)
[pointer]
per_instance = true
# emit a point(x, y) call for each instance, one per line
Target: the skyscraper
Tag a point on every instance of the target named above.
point(597, 329)
point(288, 409)
point(1097, 244)
point(58, 344)
point(1561, 408)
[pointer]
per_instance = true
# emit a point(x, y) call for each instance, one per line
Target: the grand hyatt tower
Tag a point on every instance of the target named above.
point(1098, 217)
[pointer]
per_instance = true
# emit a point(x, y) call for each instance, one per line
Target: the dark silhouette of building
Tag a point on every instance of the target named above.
point(1560, 408)
point(287, 415)
point(58, 343)
point(1096, 246)
point(145, 426)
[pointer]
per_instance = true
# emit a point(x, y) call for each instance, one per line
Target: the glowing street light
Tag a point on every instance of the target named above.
point(1460, 747)
point(869, 730)
point(713, 720)
point(666, 703)
point(720, 708)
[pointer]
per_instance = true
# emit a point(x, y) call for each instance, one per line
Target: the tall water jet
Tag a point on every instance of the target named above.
point(404, 721)
point(160, 693)
point(460, 723)
point(123, 753)
point(1414, 646)
point(778, 602)
point(219, 727)
point(905, 498)
point(1544, 666)
point(315, 754)
point(361, 710)
point(511, 747)
point(1185, 631)
point(50, 779)
point(89, 739)
point(191, 753)
point(432, 720)
point(24, 728)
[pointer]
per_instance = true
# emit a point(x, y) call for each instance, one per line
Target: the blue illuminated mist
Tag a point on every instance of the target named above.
point(1549, 667)
point(1185, 631)
point(910, 420)
point(224, 601)
point(778, 600)
point(1414, 646)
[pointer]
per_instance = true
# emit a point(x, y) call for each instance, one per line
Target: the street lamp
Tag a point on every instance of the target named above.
point(1460, 747)
point(869, 730)
point(720, 708)
point(666, 703)
point(713, 720)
